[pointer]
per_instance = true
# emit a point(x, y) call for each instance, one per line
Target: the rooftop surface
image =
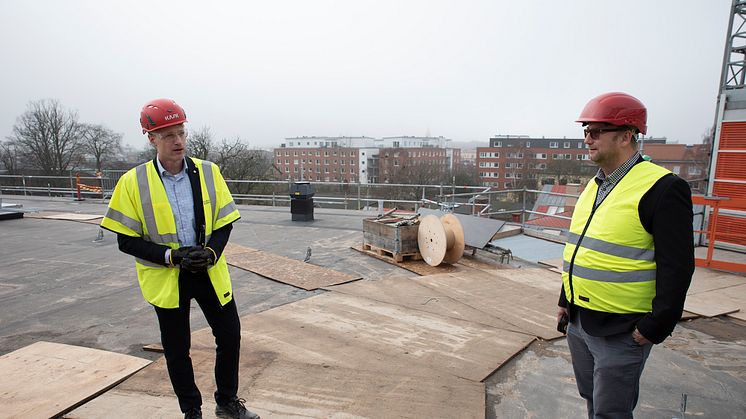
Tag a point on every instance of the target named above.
point(60, 283)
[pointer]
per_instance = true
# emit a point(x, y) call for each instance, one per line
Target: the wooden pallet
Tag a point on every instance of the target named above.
point(397, 257)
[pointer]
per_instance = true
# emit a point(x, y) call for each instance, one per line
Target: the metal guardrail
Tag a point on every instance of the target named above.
point(482, 201)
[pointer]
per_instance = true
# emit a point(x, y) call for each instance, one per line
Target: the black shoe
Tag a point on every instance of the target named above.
point(193, 413)
point(235, 409)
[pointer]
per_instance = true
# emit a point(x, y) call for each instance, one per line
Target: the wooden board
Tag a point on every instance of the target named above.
point(136, 404)
point(553, 263)
point(359, 333)
point(46, 379)
point(544, 279)
point(528, 309)
point(275, 388)
point(408, 292)
point(71, 216)
point(289, 271)
point(711, 304)
point(334, 355)
point(709, 280)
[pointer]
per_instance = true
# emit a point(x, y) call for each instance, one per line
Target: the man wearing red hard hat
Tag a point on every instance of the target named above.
point(174, 214)
point(628, 260)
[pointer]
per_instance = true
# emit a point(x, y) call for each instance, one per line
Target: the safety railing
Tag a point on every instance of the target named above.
point(717, 230)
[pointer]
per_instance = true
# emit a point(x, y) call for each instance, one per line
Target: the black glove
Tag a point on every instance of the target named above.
point(198, 259)
point(177, 255)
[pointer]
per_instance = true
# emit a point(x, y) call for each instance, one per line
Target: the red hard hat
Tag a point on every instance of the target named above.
point(616, 108)
point(161, 113)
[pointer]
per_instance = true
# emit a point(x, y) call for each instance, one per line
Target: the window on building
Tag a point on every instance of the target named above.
point(676, 170)
point(553, 144)
point(566, 144)
point(568, 156)
point(528, 144)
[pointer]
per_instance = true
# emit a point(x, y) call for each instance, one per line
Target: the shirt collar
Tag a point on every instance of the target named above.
point(165, 172)
point(619, 173)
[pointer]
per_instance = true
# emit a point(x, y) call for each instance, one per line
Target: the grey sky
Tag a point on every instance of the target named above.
point(267, 70)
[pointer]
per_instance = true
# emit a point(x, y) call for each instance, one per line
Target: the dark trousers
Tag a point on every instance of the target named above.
point(607, 371)
point(176, 341)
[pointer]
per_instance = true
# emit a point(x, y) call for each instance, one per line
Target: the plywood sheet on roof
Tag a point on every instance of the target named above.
point(274, 387)
point(334, 355)
point(355, 332)
point(552, 263)
point(285, 270)
point(544, 279)
point(406, 292)
point(528, 309)
point(709, 280)
point(136, 404)
point(716, 302)
point(46, 379)
point(71, 216)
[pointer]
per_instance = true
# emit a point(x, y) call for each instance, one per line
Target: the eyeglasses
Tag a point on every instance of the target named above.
point(171, 136)
point(596, 132)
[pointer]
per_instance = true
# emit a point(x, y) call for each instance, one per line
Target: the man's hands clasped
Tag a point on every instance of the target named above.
point(193, 258)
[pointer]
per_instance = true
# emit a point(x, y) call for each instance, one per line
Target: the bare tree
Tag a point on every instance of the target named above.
point(48, 136)
point(200, 143)
point(101, 143)
point(9, 157)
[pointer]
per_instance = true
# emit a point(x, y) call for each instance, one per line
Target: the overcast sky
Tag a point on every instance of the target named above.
point(267, 70)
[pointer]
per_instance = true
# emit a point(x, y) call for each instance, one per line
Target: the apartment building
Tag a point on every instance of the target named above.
point(515, 161)
point(363, 159)
point(688, 161)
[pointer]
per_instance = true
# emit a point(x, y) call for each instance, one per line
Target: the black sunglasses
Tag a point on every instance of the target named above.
point(596, 132)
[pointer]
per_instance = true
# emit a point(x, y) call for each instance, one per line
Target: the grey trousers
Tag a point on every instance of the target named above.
point(607, 370)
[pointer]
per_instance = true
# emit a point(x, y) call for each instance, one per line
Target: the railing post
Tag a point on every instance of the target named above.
point(23, 181)
point(358, 196)
point(523, 213)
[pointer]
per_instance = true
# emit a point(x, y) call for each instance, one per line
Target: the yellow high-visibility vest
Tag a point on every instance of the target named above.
point(609, 258)
point(139, 207)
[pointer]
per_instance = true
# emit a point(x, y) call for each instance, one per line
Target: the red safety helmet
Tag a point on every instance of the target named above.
point(161, 113)
point(616, 108)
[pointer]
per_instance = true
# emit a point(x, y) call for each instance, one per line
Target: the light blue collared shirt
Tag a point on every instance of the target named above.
point(179, 193)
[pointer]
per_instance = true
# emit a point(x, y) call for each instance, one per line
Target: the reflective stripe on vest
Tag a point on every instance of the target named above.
point(620, 250)
point(128, 222)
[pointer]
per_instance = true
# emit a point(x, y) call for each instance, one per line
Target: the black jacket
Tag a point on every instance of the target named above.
point(666, 213)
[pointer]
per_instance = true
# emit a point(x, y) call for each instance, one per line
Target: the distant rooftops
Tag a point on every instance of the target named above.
point(366, 142)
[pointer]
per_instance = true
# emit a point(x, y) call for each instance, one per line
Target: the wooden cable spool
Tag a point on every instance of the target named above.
point(440, 239)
